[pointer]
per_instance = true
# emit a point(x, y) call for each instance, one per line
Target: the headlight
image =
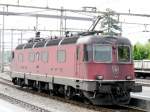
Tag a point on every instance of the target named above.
point(128, 77)
point(99, 77)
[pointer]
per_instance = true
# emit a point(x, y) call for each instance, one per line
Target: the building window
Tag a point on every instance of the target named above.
point(44, 56)
point(61, 56)
point(31, 57)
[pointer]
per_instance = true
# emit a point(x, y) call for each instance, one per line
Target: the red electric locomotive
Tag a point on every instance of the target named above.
point(96, 68)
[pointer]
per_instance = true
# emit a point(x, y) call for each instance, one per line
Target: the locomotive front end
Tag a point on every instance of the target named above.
point(110, 64)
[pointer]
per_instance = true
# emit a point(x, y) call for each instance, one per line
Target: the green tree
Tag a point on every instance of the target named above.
point(141, 51)
point(110, 23)
point(147, 46)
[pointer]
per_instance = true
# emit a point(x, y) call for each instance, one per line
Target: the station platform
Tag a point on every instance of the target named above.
point(141, 99)
point(5, 76)
point(144, 95)
point(8, 107)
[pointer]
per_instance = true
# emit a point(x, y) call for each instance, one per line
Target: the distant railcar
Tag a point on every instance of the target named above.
point(142, 68)
point(98, 69)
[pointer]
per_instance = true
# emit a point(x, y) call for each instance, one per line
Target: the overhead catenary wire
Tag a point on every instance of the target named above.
point(73, 10)
point(65, 17)
point(46, 16)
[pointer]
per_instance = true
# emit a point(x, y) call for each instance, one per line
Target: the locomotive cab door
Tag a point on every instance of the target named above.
point(80, 64)
point(78, 58)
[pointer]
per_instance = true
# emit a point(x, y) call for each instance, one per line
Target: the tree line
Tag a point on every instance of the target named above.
point(141, 51)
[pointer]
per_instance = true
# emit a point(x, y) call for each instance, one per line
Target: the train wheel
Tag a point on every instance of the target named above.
point(39, 87)
point(20, 82)
point(14, 80)
point(68, 93)
point(51, 93)
point(86, 101)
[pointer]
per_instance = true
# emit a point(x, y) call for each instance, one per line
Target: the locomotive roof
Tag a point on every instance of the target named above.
point(49, 42)
point(103, 40)
point(20, 46)
point(77, 40)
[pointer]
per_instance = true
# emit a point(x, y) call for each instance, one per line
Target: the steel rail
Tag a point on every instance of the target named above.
point(134, 108)
point(22, 103)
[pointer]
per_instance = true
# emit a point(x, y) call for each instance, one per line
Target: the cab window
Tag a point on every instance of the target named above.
point(124, 54)
point(102, 53)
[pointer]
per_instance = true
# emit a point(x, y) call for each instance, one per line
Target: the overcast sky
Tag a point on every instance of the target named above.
point(133, 32)
point(139, 6)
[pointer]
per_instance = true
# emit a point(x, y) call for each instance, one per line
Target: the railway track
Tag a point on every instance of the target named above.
point(134, 108)
point(118, 108)
point(23, 104)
